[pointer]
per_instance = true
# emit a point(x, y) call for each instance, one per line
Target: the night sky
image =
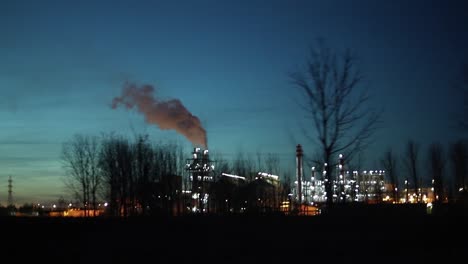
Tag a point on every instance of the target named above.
point(63, 62)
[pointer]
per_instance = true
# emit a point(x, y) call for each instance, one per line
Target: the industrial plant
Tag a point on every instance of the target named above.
point(207, 190)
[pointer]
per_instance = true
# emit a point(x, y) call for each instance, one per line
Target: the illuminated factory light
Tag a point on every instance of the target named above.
point(267, 175)
point(233, 176)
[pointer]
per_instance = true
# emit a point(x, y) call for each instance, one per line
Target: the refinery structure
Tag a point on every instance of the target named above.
point(347, 186)
point(207, 190)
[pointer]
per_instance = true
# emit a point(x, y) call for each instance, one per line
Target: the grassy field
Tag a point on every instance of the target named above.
point(353, 235)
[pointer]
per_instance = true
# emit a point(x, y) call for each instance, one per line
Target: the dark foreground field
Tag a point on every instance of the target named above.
point(347, 236)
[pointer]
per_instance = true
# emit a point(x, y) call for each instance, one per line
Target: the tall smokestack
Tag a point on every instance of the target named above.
point(299, 172)
point(170, 114)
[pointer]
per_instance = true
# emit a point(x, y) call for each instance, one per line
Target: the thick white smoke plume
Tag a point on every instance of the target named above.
point(170, 114)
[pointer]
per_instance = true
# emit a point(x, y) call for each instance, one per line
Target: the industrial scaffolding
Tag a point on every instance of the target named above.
point(354, 186)
point(200, 169)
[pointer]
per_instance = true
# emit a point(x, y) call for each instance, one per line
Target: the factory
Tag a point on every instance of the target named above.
point(209, 191)
point(346, 185)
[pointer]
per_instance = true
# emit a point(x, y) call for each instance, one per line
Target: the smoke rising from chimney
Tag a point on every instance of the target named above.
point(170, 114)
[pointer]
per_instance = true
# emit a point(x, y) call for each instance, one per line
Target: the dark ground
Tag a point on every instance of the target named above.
point(352, 235)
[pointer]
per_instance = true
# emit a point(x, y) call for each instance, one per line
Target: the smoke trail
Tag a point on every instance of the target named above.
point(170, 114)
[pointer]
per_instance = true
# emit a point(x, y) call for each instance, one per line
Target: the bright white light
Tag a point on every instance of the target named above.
point(205, 152)
point(105, 204)
point(54, 206)
point(341, 156)
point(233, 176)
point(313, 168)
point(264, 174)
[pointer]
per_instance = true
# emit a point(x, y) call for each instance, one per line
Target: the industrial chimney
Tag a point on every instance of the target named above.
point(299, 172)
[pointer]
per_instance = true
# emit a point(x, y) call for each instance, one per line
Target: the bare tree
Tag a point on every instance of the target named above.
point(115, 161)
point(462, 85)
point(389, 162)
point(411, 160)
point(243, 165)
point(143, 166)
point(169, 184)
point(272, 163)
point(436, 159)
point(80, 157)
point(459, 158)
point(336, 105)
point(259, 161)
point(222, 165)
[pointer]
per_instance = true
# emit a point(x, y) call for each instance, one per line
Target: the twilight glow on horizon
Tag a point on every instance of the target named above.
point(225, 63)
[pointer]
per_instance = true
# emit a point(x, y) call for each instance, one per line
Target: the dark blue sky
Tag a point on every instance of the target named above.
point(62, 63)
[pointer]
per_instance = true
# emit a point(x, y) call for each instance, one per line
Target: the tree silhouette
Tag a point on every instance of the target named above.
point(80, 157)
point(116, 167)
point(411, 159)
point(437, 161)
point(459, 159)
point(336, 105)
point(389, 162)
point(462, 85)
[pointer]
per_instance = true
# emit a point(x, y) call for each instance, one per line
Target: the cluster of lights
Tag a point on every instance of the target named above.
point(267, 175)
point(344, 187)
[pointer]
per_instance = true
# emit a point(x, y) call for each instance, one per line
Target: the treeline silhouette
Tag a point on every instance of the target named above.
point(140, 177)
point(443, 170)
